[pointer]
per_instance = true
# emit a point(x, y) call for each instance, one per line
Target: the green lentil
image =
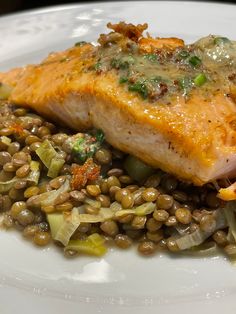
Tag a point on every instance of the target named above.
point(183, 215)
point(41, 238)
point(150, 194)
point(207, 223)
point(165, 201)
point(110, 227)
point(146, 248)
point(127, 201)
point(123, 241)
point(160, 215)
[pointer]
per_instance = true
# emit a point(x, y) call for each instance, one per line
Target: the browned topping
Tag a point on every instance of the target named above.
point(105, 39)
point(133, 32)
point(81, 174)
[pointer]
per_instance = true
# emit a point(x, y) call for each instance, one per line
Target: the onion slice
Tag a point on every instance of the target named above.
point(197, 237)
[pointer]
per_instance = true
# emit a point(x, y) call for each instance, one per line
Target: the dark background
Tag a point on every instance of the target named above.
point(9, 6)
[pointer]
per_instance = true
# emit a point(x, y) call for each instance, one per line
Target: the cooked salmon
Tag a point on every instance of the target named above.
point(172, 105)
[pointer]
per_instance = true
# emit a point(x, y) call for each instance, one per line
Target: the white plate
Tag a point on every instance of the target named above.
point(122, 282)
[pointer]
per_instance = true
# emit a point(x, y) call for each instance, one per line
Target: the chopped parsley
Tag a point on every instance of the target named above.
point(123, 79)
point(98, 66)
point(100, 136)
point(85, 147)
point(139, 87)
point(122, 63)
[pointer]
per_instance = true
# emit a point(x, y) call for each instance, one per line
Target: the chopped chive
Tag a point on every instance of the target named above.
point(123, 79)
point(200, 79)
point(194, 61)
point(221, 40)
point(80, 43)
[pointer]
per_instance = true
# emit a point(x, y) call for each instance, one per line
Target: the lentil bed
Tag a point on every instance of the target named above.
point(179, 207)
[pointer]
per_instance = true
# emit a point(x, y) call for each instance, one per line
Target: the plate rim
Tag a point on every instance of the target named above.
point(52, 9)
point(61, 7)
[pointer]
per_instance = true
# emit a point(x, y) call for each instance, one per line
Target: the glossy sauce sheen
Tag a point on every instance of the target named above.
point(210, 64)
point(186, 127)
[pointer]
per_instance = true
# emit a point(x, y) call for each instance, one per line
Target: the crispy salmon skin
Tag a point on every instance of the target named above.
point(170, 104)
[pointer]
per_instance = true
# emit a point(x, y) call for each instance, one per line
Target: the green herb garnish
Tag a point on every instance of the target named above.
point(183, 54)
point(194, 61)
point(127, 60)
point(85, 147)
point(200, 79)
point(115, 63)
point(78, 150)
point(139, 87)
point(100, 137)
point(151, 57)
point(123, 79)
point(97, 66)
point(122, 63)
point(156, 79)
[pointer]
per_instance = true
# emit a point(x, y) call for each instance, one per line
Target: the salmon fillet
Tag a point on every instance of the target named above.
point(189, 134)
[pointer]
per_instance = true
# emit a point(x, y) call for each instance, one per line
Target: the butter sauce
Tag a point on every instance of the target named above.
point(208, 64)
